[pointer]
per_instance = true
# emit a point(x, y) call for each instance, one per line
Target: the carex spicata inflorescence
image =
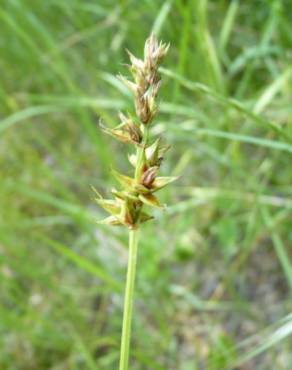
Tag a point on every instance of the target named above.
point(127, 206)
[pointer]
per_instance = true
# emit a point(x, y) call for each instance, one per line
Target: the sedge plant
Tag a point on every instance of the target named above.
point(138, 190)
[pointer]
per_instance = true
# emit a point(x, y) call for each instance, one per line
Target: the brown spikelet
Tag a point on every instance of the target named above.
point(137, 191)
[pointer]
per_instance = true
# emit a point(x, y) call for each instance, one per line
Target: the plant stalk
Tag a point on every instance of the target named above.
point(129, 297)
point(140, 151)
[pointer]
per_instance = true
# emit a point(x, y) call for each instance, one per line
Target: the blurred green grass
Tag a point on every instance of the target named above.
point(214, 274)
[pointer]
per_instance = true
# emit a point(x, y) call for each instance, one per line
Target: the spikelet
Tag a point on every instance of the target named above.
point(127, 206)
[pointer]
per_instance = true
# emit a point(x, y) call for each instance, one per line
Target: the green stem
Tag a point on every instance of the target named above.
point(140, 152)
point(128, 304)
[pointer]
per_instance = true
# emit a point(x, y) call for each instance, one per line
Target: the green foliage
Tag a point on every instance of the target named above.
point(214, 271)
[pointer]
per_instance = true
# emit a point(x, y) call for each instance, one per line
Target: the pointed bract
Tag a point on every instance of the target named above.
point(141, 189)
point(130, 85)
point(150, 200)
point(111, 220)
point(152, 152)
point(144, 217)
point(137, 63)
point(111, 206)
point(127, 132)
point(128, 213)
point(124, 195)
point(124, 180)
point(118, 134)
point(161, 182)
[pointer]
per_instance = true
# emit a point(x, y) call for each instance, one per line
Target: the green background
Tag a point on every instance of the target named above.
point(214, 274)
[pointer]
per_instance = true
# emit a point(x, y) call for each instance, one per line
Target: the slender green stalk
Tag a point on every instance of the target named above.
point(140, 152)
point(129, 297)
point(128, 206)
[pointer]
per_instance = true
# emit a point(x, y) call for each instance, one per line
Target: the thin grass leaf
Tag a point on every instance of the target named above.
point(207, 47)
point(27, 113)
point(82, 263)
point(258, 342)
point(272, 144)
point(279, 248)
point(229, 102)
point(58, 203)
point(280, 333)
point(227, 26)
point(200, 196)
point(272, 90)
point(161, 17)
point(89, 360)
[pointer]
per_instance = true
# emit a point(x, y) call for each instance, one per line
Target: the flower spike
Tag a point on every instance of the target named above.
point(127, 207)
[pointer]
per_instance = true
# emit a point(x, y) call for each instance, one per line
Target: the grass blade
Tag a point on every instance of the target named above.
point(228, 102)
point(272, 144)
point(82, 263)
point(161, 17)
point(279, 248)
